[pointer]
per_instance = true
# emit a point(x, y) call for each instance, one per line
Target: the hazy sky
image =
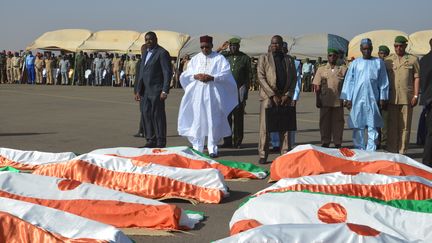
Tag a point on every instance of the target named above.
point(22, 21)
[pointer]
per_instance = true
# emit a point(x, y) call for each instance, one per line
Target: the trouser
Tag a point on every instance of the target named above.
point(141, 122)
point(275, 139)
point(307, 87)
point(64, 77)
point(132, 80)
point(98, 76)
point(39, 75)
point(384, 129)
point(236, 122)
point(31, 74)
point(154, 119)
point(9, 73)
point(49, 76)
point(117, 77)
point(263, 143)
point(422, 130)
point(198, 144)
point(331, 124)
point(17, 74)
point(108, 79)
point(3, 74)
point(79, 75)
point(359, 139)
point(399, 128)
point(427, 153)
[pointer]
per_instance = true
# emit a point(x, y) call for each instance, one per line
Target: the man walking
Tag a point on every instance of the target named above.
point(403, 70)
point(152, 90)
point(366, 85)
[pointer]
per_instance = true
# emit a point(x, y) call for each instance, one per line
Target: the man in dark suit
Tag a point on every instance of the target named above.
point(426, 100)
point(152, 90)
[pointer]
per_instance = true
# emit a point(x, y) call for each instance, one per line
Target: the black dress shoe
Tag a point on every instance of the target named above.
point(149, 145)
point(160, 145)
point(325, 145)
point(262, 161)
point(138, 135)
point(226, 145)
point(338, 146)
point(275, 149)
point(213, 155)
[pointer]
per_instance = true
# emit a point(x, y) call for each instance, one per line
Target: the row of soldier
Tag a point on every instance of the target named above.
point(107, 69)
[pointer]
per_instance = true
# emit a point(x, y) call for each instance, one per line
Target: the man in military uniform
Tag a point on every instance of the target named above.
point(9, 67)
point(383, 52)
point(80, 62)
point(49, 67)
point(403, 71)
point(327, 83)
point(39, 66)
point(3, 77)
point(116, 69)
point(16, 67)
point(132, 64)
point(241, 69)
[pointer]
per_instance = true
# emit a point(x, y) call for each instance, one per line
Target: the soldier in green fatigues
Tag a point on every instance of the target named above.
point(241, 69)
point(79, 67)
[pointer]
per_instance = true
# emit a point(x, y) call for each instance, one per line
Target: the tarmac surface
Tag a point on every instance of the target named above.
point(80, 119)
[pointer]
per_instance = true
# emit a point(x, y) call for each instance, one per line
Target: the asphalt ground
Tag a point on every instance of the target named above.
point(80, 119)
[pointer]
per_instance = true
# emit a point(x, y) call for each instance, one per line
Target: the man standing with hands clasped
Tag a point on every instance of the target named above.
point(277, 78)
point(365, 87)
point(210, 96)
point(152, 89)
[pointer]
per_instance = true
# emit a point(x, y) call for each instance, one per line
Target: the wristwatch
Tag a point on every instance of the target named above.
point(416, 96)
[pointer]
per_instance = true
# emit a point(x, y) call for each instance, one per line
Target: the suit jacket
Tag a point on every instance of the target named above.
point(266, 70)
point(155, 75)
point(426, 79)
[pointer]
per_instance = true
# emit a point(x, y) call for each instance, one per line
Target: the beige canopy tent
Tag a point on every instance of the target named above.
point(420, 42)
point(65, 39)
point(378, 37)
point(170, 40)
point(110, 40)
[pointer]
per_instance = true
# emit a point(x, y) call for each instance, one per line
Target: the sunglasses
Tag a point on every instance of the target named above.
point(205, 47)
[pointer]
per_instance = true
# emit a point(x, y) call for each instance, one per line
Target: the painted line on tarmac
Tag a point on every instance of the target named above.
point(70, 98)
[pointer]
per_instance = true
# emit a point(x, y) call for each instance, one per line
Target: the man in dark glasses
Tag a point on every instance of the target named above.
point(404, 76)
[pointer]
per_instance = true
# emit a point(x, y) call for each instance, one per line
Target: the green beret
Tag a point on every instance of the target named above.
point(234, 41)
point(384, 48)
point(400, 39)
point(332, 50)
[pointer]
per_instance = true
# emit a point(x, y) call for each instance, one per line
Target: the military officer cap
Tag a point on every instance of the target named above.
point(383, 48)
point(234, 41)
point(332, 50)
point(400, 40)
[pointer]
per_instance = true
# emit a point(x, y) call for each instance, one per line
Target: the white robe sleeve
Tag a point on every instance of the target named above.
point(348, 85)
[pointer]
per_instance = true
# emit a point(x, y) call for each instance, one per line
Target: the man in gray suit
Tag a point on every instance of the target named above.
point(152, 90)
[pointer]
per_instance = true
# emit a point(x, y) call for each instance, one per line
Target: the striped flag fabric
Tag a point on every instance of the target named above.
point(149, 180)
point(27, 222)
point(340, 232)
point(409, 220)
point(30, 160)
point(308, 159)
point(185, 157)
point(378, 186)
point(94, 202)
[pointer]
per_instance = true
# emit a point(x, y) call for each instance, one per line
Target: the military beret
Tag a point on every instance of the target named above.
point(332, 50)
point(234, 41)
point(383, 48)
point(400, 39)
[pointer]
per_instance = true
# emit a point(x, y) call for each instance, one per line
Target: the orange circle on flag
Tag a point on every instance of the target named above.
point(67, 185)
point(332, 213)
